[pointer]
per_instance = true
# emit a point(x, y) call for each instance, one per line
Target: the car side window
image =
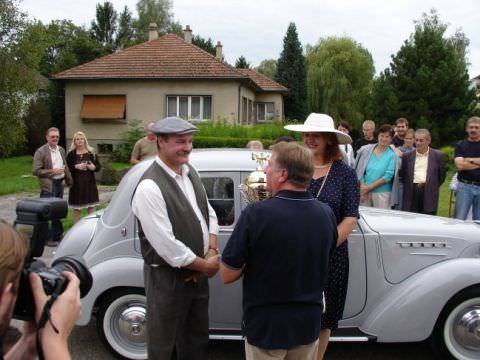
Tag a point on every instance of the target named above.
point(221, 197)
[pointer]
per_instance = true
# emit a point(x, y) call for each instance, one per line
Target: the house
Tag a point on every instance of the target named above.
point(165, 76)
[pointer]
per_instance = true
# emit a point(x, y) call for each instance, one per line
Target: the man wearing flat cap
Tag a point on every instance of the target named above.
point(177, 230)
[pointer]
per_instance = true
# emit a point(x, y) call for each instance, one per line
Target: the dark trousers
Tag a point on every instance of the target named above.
point(56, 231)
point(418, 196)
point(177, 313)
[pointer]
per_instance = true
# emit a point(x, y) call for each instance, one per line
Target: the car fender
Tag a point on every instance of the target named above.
point(115, 272)
point(409, 311)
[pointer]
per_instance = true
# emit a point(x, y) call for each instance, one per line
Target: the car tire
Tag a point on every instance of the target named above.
point(457, 331)
point(121, 323)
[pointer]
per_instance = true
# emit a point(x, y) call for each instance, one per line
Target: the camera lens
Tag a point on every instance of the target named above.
point(76, 265)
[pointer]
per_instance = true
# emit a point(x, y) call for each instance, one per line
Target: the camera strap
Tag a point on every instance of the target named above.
point(46, 316)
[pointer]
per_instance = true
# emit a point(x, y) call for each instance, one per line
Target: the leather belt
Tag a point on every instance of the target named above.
point(469, 182)
point(419, 185)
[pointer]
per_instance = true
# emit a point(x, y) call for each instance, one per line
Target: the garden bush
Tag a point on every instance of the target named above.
point(123, 151)
point(449, 153)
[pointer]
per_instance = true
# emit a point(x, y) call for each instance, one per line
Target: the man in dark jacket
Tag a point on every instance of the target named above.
point(422, 173)
point(49, 165)
point(282, 246)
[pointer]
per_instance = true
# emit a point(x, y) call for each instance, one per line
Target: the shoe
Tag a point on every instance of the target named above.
point(52, 243)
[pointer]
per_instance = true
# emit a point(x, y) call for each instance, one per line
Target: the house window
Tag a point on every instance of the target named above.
point(105, 148)
point(193, 108)
point(103, 107)
point(265, 112)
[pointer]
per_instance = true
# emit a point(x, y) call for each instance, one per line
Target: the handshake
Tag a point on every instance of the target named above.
point(206, 267)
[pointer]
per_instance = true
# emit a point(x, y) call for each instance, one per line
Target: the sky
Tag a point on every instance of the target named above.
point(256, 28)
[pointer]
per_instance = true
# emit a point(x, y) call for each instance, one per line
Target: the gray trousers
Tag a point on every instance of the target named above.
point(177, 315)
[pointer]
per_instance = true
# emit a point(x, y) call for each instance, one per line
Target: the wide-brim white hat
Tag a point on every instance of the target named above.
point(320, 123)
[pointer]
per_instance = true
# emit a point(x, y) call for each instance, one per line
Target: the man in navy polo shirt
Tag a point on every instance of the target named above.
point(467, 162)
point(282, 246)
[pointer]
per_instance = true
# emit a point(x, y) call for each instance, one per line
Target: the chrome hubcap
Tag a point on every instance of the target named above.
point(467, 328)
point(132, 324)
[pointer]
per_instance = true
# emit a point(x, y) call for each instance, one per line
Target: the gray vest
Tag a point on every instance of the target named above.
point(185, 224)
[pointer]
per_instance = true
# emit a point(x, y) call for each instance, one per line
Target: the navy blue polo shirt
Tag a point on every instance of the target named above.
point(467, 149)
point(284, 245)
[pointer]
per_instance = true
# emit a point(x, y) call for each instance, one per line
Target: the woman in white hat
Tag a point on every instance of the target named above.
point(336, 184)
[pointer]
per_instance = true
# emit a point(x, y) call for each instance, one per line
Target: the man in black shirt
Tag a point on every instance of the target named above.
point(368, 128)
point(282, 246)
point(467, 162)
point(401, 127)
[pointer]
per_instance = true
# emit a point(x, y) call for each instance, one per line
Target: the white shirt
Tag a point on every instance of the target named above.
point(57, 161)
point(420, 168)
point(149, 206)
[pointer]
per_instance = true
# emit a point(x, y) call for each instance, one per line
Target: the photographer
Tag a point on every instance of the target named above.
point(64, 312)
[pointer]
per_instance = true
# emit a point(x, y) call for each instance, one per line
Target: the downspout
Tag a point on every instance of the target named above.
point(238, 107)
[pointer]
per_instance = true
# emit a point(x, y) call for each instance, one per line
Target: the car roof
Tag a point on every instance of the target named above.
point(224, 159)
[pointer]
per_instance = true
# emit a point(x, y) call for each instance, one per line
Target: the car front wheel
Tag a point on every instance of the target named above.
point(457, 332)
point(121, 323)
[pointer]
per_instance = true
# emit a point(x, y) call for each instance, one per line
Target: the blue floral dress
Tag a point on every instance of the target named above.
point(342, 193)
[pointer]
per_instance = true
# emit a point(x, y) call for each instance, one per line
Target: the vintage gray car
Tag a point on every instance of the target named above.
point(412, 277)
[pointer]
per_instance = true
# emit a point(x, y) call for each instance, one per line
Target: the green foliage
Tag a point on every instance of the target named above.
point(123, 151)
point(125, 34)
point(427, 82)
point(17, 77)
point(339, 78)
point(37, 120)
point(16, 175)
point(268, 68)
point(68, 45)
point(242, 63)
point(292, 73)
point(153, 11)
point(205, 44)
point(11, 22)
point(104, 27)
point(449, 152)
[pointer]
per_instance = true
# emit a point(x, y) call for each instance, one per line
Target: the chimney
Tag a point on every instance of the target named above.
point(187, 34)
point(152, 31)
point(218, 51)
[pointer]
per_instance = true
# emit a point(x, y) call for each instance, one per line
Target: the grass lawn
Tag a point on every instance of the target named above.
point(444, 201)
point(16, 175)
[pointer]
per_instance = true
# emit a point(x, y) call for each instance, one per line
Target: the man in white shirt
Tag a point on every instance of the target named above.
point(49, 166)
point(422, 173)
point(178, 236)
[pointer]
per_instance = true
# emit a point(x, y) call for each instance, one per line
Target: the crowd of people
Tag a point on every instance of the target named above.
point(291, 250)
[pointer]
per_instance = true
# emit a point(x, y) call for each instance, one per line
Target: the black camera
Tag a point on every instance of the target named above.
point(33, 216)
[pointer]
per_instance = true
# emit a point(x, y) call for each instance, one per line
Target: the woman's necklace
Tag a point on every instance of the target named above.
point(324, 166)
point(324, 181)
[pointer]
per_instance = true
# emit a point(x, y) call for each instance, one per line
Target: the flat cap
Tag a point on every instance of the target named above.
point(173, 125)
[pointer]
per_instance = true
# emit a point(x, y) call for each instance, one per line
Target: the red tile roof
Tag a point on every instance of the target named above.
point(167, 57)
point(263, 82)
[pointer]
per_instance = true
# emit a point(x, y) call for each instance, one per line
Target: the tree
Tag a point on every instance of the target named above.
point(205, 44)
point(104, 26)
point(17, 82)
point(291, 72)
point(429, 82)
point(339, 78)
point(153, 11)
point(125, 35)
point(242, 63)
point(268, 68)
